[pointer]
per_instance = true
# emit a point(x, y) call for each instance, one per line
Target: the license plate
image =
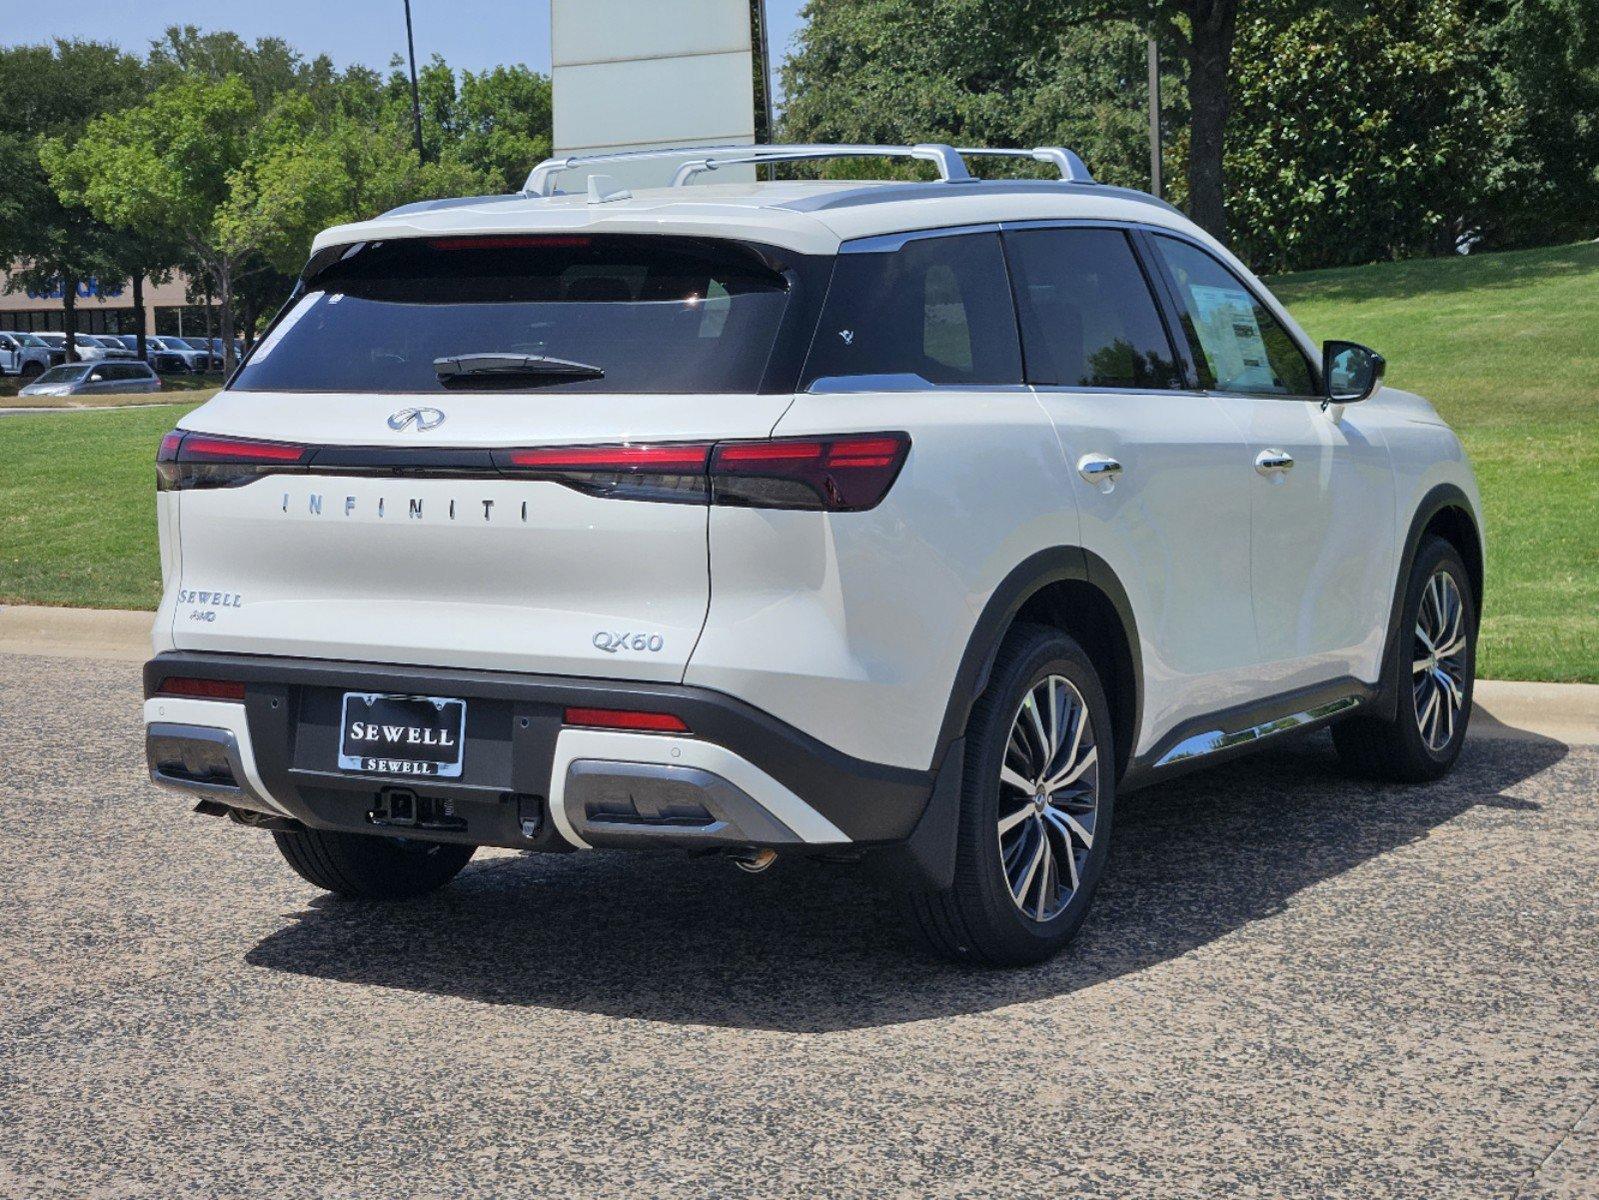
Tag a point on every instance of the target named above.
point(402, 735)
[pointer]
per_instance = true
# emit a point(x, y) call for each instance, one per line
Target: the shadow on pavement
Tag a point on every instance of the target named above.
point(812, 948)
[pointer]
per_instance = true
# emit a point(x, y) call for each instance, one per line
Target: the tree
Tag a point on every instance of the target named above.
point(496, 123)
point(165, 167)
point(49, 91)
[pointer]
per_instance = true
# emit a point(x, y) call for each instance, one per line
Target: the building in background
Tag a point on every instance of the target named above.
point(642, 74)
point(106, 306)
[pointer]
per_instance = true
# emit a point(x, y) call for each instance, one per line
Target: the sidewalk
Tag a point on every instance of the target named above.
point(1564, 712)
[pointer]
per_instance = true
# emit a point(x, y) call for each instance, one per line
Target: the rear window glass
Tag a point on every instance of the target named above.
point(637, 314)
point(937, 309)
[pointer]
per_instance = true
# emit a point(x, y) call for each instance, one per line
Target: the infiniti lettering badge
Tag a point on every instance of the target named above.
point(422, 418)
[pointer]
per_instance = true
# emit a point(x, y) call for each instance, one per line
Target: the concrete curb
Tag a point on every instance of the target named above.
point(1562, 712)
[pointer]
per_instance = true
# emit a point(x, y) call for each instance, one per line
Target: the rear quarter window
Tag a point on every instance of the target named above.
point(936, 309)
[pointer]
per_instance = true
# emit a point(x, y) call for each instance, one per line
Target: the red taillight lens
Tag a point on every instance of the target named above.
point(674, 471)
point(199, 447)
point(197, 460)
point(201, 689)
point(843, 474)
point(559, 241)
point(619, 718)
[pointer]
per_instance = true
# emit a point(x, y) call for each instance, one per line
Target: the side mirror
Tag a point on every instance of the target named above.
point(1350, 372)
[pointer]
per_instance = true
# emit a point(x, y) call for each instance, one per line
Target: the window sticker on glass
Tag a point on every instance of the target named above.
point(1231, 337)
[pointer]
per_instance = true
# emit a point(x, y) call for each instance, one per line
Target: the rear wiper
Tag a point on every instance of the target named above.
point(512, 366)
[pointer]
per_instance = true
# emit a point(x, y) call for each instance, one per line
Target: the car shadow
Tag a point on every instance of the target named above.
point(812, 947)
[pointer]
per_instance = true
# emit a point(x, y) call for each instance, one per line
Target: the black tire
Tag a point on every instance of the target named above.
point(1396, 750)
point(364, 867)
point(31, 370)
point(979, 919)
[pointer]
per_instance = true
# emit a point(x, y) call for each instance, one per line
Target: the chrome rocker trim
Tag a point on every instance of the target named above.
point(1202, 744)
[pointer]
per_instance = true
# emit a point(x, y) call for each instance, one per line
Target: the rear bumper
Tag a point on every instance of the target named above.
point(741, 779)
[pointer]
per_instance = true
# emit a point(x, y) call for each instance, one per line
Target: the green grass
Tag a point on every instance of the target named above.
point(1505, 345)
point(77, 507)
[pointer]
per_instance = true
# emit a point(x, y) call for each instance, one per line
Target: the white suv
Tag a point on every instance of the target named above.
point(908, 522)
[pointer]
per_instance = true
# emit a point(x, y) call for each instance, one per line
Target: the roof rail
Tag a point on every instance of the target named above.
point(949, 161)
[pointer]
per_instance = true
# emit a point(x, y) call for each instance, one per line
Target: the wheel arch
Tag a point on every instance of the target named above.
point(1073, 590)
point(1445, 512)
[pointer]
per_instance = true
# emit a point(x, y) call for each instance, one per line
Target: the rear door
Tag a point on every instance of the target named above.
point(1319, 483)
point(500, 464)
point(1153, 465)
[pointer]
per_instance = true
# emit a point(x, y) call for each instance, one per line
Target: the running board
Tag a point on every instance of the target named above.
point(1213, 741)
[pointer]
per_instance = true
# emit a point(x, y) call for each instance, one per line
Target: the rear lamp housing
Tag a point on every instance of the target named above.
point(189, 460)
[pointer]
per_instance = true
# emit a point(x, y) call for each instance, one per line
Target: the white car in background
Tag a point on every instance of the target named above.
point(907, 522)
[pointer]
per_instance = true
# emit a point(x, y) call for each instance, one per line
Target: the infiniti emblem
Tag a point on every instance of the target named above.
point(422, 418)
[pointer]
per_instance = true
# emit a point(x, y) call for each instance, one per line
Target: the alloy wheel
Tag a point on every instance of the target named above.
point(1048, 798)
point(1438, 666)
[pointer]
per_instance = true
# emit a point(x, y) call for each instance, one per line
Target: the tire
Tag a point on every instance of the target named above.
point(1420, 743)
point(980, 919)
point(31, 370)
point(364, 867)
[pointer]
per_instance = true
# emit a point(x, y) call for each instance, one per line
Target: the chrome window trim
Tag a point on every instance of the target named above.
point(887, 243)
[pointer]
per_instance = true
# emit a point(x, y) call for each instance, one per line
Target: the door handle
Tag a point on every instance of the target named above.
point(1100, 470)
point(1274, 462)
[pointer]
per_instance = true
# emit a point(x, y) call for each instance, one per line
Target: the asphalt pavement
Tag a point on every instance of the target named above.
point(1293, 984)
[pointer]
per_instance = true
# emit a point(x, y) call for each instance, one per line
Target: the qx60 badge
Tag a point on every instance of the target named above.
point(422, 418)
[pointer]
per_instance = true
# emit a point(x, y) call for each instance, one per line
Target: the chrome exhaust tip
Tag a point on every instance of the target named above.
point(755, 861)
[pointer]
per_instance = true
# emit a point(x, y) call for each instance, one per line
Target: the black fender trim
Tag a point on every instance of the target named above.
point(1444, 495)
point(1030, 576)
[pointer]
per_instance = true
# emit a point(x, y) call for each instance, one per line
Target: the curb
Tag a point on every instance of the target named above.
point(1504, 710)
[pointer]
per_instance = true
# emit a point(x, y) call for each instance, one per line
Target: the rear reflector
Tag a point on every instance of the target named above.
point(201, 689)
point(619, 718)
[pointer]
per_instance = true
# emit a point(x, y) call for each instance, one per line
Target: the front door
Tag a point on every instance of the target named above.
point(1321, 494)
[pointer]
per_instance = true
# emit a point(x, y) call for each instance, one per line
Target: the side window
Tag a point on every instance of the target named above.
point(939, 308)
point(1238, 345)
point(1088, 317)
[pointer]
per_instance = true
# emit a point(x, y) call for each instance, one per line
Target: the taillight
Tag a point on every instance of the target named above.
point(196, 460)
point(619, 718)
point(673, 471)
point(842, 474)
point(200, 689)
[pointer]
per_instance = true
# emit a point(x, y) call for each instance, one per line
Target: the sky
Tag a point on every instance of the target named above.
point(474, 34)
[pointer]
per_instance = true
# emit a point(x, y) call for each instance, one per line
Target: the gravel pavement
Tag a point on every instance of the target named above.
point(1292, 985)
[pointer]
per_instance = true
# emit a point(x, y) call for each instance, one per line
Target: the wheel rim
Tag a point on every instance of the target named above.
point(1438, 667)
point(1048, 798)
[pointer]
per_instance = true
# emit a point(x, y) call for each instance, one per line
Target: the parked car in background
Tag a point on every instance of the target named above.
point(217, 349)
point(195, 358)
point(26, 354)
point(164, 360)
point(112, 345)
point(94, 378)
point(205, 359)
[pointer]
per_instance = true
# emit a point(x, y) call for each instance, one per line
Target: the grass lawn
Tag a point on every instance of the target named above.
point(77, 507)
point(1505, 345)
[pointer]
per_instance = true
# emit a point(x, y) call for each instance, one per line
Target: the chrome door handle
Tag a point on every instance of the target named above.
point(1100, 470)
point(1274, 462)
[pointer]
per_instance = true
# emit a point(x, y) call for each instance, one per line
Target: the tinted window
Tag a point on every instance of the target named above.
point(1088, 317)
point(1238, 345)
point(938, 308)
point(655, 314)
point(69, 373)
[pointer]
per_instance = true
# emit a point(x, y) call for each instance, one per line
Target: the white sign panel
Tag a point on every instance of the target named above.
point(642, 74)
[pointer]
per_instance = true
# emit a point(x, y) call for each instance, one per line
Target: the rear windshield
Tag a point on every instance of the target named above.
point(639, 314)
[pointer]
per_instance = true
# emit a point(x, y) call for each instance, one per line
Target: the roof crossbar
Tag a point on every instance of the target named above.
point(949, 161)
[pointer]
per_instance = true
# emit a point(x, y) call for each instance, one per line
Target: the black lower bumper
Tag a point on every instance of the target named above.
point(293, 709)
